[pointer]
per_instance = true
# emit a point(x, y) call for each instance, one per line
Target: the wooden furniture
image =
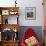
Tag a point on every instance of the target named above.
point(5, 12)
point(8, 11)
point(10, 43)
point(11, 26)
point(0, 43)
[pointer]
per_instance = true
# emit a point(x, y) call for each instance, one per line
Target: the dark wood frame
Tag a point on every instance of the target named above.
point(11, 26)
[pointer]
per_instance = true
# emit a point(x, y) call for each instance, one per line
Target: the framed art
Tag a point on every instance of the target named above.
point(30, 13)
point(5, 12)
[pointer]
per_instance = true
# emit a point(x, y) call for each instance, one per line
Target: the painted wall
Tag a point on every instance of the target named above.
point(39, 12)
point(27, 3)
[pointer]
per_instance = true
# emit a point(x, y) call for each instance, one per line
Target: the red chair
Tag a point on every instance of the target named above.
point(29, 33)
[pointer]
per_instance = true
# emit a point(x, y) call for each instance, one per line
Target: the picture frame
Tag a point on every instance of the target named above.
point(12, 12)
point(5, 12)
point(30, 13)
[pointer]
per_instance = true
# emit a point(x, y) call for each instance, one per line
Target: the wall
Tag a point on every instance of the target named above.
point(39, 12)
point(7, 3)
point(22, 4)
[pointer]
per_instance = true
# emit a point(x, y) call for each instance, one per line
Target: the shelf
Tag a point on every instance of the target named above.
point(11, 41)
point(11, 26)
point(9, 10)
point(8, 26)
point(5, 12)
point(10, 44)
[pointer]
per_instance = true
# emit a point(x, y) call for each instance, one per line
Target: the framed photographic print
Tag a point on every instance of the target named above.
point(30, 13)
point(5, 12)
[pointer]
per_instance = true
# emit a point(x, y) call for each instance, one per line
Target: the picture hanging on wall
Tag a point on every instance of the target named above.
point(30, 13)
